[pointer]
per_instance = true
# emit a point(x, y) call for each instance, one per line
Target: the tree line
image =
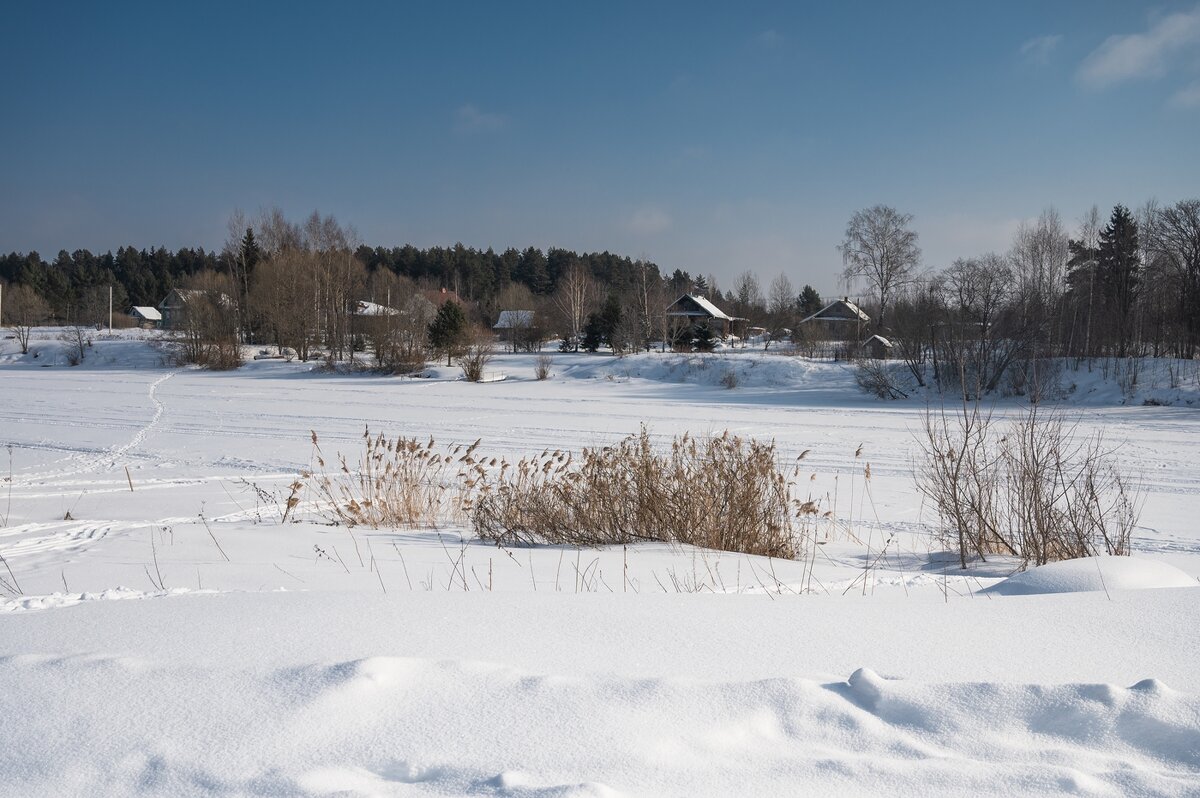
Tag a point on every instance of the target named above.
point(1122, 286)
point(295, 285)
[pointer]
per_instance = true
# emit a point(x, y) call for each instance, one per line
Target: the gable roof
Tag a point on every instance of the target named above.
point(885, 342)
point(841, 310)
point(364, 308)
point(145, 312)
point(439, 296)
point(185, 295)
point(514, 320)
point(696, 306)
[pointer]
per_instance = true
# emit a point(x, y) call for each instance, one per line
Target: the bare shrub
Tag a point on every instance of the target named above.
point(1034, 491)
point(475, 357)
point(875, 378)
point(724, 493)
point(78, 341)
point(730, 379)
point(959, 474)
point(1066, 498)
point(541, 366)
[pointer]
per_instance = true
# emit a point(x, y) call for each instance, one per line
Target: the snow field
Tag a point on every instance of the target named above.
point(263, 666)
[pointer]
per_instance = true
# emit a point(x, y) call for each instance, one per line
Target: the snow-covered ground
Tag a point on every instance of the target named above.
point(170, 635)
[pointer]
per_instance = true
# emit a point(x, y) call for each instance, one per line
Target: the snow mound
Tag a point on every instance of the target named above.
point(114, 725)
point(1093, 574)
point(58, 600)
point(750, 369)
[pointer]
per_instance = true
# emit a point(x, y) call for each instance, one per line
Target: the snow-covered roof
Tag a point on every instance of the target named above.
point(841, 310)
point(364, 308)
point(147, 313)
point(705, 308)
point(880, 339)
point(185, 295)
point(514, 320)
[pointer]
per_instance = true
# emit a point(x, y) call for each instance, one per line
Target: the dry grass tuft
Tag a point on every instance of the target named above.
point(396, 482)
point(723, 493)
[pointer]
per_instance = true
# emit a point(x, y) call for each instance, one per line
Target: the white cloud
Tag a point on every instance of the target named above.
point(769, 38)
point(649, 219)
point(1187, 97)
point(1142, 55)
point(1038, 49)
point(469, 118)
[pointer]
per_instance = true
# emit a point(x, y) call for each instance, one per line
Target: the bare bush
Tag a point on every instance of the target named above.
point(1066, 498)
point(541, 366)
point(475, 358)
point(1035, 491)
point(730, 379)
point(77, 341)
point(959, 474)
point(875, 378)
point(723, 493)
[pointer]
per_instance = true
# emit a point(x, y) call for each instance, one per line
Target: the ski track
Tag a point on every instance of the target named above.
point(54, 537)
point(88, 461)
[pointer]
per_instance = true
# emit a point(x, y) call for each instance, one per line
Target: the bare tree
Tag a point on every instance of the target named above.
point(208, 333)
point(880, 247)
point(1175, 237)
point(781, 308)
point(283, 296)
point(1039, 255)
point(977, 342)
point(275, 233)
point(747, 295)
point(650, 302)
point(917, 314)
point(24, 309)
point(574, 300)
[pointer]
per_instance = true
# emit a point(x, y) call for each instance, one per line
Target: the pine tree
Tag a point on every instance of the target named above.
point(593, 333)
point(251, 254)
point(448, 329)
point(700, 286)
point(703, 338)
point(1118, 267)
point(809, 301)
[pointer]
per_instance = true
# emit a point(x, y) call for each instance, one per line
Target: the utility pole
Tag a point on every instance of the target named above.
point(110, 309)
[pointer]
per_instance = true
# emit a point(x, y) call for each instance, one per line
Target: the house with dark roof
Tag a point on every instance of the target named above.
point(691, 310)
point(839, 311)
point(146, 317)
point(520, 330)
point(175, 306)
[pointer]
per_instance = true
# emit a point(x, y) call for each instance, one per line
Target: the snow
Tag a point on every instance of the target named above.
point(172, 635)
point(1094, 573)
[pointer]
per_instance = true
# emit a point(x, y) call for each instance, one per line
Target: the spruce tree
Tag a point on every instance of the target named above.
point(448, 329)
point(1118, 267)
point(703, 338)
point(809, 301)
point(593, 333)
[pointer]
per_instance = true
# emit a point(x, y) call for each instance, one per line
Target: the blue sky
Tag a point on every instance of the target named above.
point(713, 139)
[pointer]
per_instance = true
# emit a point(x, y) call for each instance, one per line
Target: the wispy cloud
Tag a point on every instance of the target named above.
point(469, 119)
point(1187, 97)
point(649, 219)
point(1142, 55)
point(769, 38)
point(1038, 49)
